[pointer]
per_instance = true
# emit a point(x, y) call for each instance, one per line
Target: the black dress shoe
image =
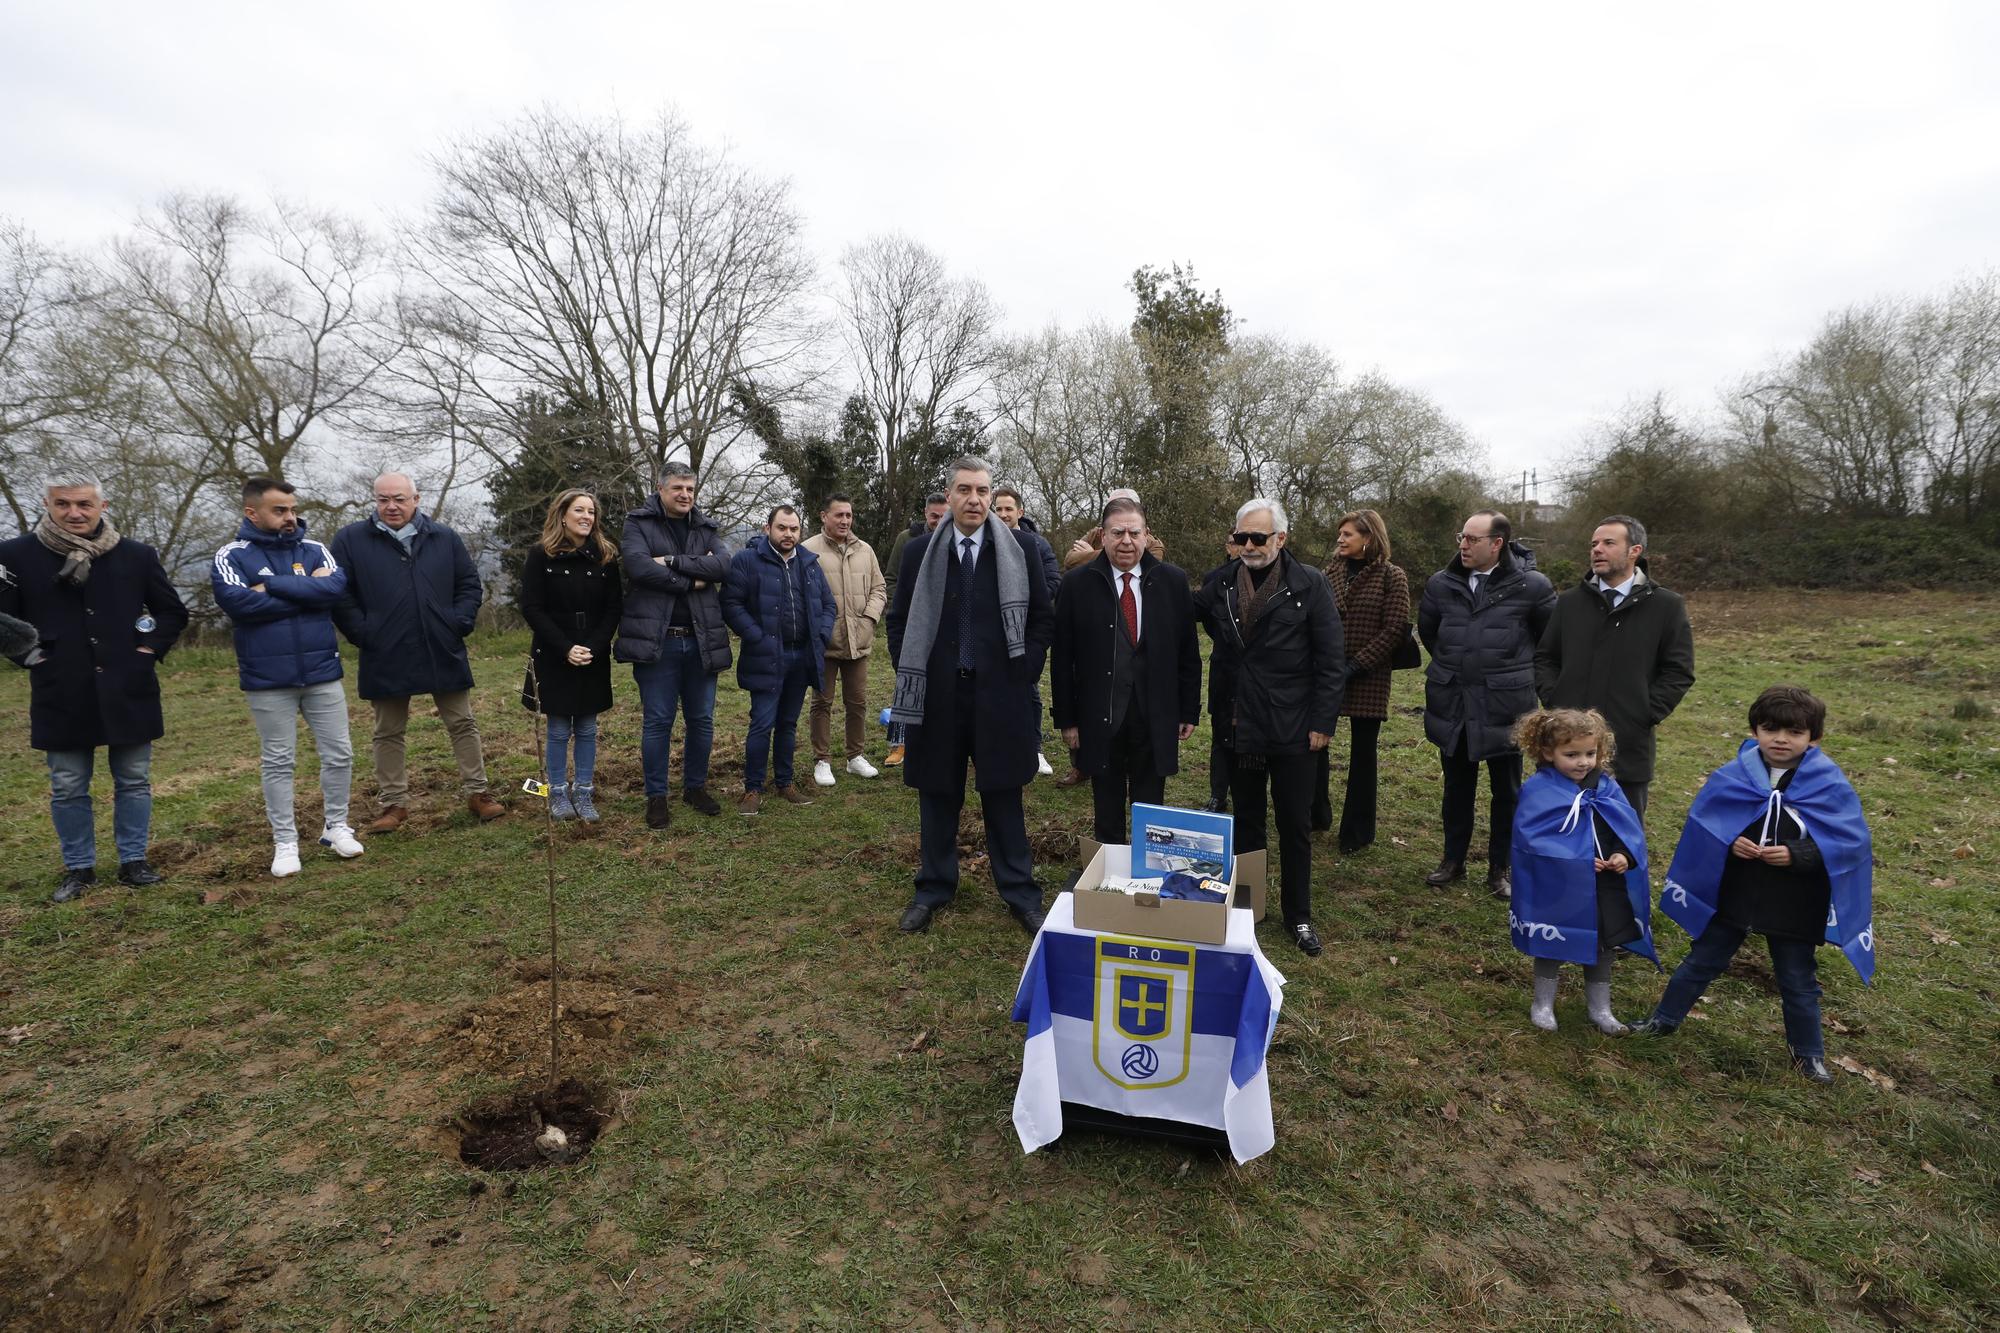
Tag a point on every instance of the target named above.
point(703, 803)
point(1812, 1068)
point(916, 919)
point(1307, 939)
point(1448, 872)
point(138, 874)
point(1031, 920)
point(1348, 848)
point(74, 882)
point(1501, 886)
point(1215, 807)
point(659, 814)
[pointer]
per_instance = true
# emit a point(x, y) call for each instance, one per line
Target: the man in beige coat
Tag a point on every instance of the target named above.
point(860, 593)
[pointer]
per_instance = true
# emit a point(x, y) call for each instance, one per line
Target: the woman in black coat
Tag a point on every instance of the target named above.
point(572, 595)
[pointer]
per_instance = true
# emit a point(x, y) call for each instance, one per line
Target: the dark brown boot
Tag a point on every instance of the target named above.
point(485, 807)
point(795, 796)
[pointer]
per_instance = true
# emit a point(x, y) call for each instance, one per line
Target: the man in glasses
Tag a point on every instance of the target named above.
point(1277, 615)
point(1125, 671)
point(1481, 618)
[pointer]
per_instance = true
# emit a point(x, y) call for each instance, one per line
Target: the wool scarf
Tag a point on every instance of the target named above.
point(927, 609)
point(77, 552)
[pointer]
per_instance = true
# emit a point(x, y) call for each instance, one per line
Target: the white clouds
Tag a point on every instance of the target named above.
point(1533, 213)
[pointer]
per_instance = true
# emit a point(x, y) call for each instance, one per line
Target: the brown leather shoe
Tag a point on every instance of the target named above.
point(895, 757)
point(795, 796)
point(485, 807)
point(390, 819)
point(747, 803)
point(1069, 779)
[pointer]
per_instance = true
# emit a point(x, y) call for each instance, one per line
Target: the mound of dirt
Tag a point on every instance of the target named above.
point(90, 1242)
point(601, 1015)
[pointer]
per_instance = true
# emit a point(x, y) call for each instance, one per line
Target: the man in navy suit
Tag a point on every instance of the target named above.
point(972, 610)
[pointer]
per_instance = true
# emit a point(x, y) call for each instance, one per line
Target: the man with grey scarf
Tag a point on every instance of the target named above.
point(969, 629)
point(105, 614)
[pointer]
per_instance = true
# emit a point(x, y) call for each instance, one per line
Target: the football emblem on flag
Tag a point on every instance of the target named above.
point(1142, 1029)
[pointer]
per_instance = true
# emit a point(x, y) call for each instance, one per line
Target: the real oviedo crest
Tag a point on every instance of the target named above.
point(1141, 1027)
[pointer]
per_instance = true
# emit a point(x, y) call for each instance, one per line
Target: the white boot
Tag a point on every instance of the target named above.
point(341, 838)
point(285, 860)
point(823, 773)
point(1542, 1013)
point(1042, 765)
point(1597, 1000)
point(861, 768)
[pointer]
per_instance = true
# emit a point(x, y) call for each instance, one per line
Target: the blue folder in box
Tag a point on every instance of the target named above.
point(1166, 839)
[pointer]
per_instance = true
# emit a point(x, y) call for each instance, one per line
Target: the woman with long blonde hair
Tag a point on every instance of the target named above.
point(572, 594)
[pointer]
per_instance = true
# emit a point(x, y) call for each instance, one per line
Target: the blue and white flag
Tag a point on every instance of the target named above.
point(1553, 913)
point(1147, 1027)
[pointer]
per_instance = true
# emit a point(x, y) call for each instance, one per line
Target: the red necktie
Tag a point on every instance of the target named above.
point(1130, 606)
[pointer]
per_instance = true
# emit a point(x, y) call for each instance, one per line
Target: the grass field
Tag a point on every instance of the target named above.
point(227, 1101)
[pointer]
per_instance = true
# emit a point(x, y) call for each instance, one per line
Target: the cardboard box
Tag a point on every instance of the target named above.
point(1148, 914)
point(1249, 880)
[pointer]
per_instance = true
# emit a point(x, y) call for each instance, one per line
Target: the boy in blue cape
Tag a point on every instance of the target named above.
point(1580, 889)
point(1775, 845)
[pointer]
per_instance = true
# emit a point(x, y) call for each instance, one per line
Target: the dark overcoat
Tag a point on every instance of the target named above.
point(753, 603)
point(1634, 665)
point(1288, 677)
point(1080, 666)
point(571, 600)
point(650, 587)
point(1374, 606)
point(408, 611)
point(1008, 727)
point(93, 687)
point(1481, 676)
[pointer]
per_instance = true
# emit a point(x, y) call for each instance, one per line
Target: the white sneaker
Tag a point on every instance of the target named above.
point(285, 860)
point(1042, 766)
point(823, 773)
point(341, 838)
point(861, 768)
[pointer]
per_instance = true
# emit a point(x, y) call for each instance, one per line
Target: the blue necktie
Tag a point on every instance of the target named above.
point(967, 562)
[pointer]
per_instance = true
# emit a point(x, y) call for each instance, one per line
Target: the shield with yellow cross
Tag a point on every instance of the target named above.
point(1142, 1030)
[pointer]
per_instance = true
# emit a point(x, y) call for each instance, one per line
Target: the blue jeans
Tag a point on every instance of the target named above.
point(131, 805)
point(1792, 962)
point(583, 730)
point(777, 711)
point(677, 678)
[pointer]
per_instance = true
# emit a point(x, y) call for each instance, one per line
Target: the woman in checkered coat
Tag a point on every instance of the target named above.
point(1374, 599)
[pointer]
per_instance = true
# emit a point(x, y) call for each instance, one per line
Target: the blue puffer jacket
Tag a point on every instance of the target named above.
point(753, 602)
point(284, 634)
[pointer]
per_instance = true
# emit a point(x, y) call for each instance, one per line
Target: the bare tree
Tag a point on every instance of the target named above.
point(51, 371)
point(1953, 346)
point(629, 273)
point(1066, 404)
point(922, 349)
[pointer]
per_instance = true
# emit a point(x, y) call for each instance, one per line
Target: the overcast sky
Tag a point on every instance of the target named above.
point(1531, 212)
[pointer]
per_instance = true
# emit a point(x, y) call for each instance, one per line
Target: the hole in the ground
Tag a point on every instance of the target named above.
point(88, 1242)
point(530, 1130)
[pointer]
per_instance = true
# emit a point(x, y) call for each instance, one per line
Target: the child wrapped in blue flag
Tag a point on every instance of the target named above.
point(1775, 845)
point(1580, 890)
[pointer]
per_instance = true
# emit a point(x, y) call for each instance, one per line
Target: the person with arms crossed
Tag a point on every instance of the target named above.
point(278, 588)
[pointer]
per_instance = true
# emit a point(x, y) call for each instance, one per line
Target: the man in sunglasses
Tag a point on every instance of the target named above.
point(1278, 618)
point(1481, 618)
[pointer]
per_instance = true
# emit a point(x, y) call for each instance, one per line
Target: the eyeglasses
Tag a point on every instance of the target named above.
point(1468, 539)
point(1250, 538)
point(1125, 534)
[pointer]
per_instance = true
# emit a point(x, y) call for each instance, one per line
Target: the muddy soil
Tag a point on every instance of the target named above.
point(509, 1133)
point(89, 1242)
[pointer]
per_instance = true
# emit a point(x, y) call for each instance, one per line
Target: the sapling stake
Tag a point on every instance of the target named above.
point(549, 837)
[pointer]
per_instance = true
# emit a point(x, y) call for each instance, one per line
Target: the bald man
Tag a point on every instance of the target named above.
point(412, 597)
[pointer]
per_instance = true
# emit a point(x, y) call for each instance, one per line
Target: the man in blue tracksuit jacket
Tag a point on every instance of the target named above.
point(278, 588)
point(778, 602)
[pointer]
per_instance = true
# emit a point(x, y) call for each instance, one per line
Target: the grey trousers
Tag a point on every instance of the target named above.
point(276, 713)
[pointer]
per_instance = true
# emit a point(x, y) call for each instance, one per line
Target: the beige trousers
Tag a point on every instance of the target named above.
point(853, 674)
point(392, 719)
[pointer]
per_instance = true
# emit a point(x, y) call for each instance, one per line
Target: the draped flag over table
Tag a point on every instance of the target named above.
point(1554, 908)
point(1818, 801)
point(1147, 1027)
